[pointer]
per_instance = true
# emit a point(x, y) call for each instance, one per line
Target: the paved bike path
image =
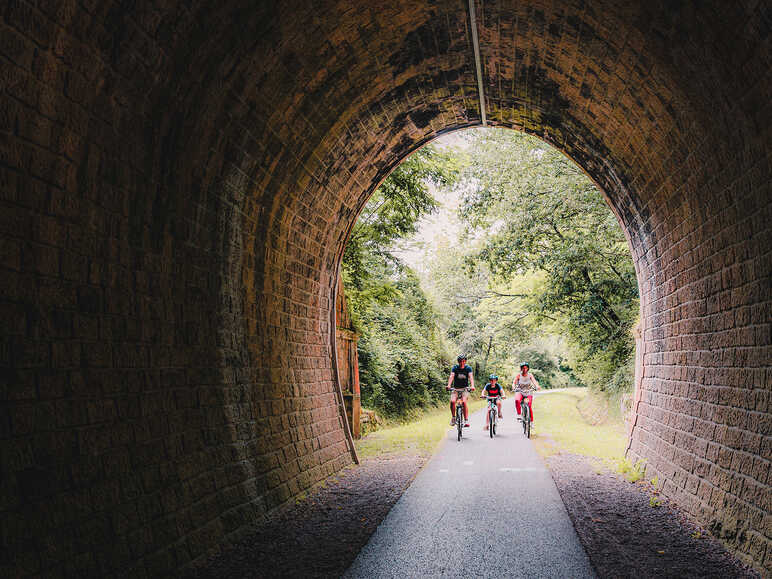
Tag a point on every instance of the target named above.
point(474, 509)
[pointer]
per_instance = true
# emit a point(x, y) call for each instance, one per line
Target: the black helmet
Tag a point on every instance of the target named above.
point(524, 364)
point(461, 357)
point(493, 377)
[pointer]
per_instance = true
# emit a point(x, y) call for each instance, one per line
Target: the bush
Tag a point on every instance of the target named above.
point(551, 369)
point(623, 379)
point(402, 361)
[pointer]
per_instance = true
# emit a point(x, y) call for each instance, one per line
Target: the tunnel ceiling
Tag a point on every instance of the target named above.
point(178, 181)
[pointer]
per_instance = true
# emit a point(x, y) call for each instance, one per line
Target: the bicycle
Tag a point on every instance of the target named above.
point(459, 410)
point(525, 412)
point(493, 413)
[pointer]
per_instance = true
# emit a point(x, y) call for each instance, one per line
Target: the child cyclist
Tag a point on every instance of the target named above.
point(493, 389)
point(525, 382)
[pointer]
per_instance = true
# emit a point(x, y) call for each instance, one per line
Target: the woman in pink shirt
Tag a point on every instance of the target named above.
point(523, 385)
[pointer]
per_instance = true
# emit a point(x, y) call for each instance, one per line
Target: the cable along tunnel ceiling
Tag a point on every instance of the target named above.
point(178, 183)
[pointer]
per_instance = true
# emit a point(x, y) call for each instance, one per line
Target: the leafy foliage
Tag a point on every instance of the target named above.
point(402, 354)
point(478, 317)
point(392, 213)
point(538, 214)
point(534, 267)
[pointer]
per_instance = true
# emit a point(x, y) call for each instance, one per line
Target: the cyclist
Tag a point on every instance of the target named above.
point(461, 378)
point(524, 381)
point(493, 389)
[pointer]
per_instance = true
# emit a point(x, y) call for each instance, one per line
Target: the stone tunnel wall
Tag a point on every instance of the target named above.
point(177, 181)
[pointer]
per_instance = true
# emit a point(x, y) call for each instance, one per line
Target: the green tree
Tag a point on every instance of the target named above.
point(402, 353)
point(478, 316)
point(537, 213)
point(393, 212)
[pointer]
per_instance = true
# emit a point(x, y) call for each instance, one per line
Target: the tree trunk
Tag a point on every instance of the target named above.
point(487, 353)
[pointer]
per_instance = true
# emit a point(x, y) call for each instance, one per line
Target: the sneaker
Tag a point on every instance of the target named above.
point(485, 427)
point(519, 418)
point(466, 424)
point(501, 415)
point(453, 421)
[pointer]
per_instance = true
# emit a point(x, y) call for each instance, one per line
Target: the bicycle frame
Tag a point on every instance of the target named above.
point(460, 410)
point(525, 411)
point(493, 413)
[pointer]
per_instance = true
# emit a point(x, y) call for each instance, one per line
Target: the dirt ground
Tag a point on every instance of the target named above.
point(623, 534)
point(321, 535)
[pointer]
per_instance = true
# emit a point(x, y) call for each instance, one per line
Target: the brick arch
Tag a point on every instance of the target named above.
point(177, 183)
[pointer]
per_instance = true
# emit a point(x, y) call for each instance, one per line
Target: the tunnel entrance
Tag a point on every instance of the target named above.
point(178, 182)
point(490, 243)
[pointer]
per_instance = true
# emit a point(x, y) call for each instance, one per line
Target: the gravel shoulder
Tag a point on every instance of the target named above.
point(625, 536)
point(320, 535)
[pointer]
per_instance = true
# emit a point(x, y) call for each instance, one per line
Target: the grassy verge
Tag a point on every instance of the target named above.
point(572, 420)
point(420, 436)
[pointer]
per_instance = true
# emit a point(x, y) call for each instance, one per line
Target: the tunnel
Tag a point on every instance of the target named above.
point(178, 181)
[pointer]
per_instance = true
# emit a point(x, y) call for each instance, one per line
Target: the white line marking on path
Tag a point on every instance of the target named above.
point(522, 469)
point(444, 470)
point(468, 462)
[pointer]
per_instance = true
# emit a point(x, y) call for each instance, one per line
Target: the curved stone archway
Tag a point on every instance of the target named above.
point(178, 180)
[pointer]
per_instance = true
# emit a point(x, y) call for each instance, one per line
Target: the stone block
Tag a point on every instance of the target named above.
point(156, 252)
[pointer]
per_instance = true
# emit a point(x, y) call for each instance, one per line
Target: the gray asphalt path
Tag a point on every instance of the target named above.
point(479, 508)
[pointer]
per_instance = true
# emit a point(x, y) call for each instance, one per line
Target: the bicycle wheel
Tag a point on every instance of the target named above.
point(459, 422)
point(527, 421)
point(526, 418)
point(528, 429)
point(491, 423)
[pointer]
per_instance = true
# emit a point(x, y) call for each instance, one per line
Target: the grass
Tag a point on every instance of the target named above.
point(574, 420)
point(420, 436)
point(571, 420)
point(633, 472)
